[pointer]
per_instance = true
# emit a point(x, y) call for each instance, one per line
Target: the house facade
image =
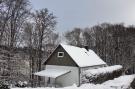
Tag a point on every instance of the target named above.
point(65, 65)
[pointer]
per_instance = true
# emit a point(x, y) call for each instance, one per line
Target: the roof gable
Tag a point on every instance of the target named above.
point(81, 56)
point(67, 60)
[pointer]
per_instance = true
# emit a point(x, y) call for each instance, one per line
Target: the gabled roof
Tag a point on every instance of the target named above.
point(82, 57)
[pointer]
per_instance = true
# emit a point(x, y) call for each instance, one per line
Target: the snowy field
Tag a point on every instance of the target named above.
point(122, 82)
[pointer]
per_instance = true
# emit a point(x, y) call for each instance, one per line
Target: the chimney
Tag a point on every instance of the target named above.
point(86, 47)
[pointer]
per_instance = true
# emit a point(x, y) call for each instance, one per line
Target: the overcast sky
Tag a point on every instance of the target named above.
point(87, 13)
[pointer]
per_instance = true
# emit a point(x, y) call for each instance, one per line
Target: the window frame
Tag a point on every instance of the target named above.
point(60, 53)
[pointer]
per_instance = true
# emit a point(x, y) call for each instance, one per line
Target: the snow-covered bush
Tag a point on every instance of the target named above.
point(21, 84)
point(4, 85)
point(101, 75)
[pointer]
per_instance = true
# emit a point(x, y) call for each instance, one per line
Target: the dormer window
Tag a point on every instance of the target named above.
point(60, 54)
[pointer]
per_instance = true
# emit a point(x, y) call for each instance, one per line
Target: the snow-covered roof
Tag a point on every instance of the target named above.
point(53, 73)
point(82, 57)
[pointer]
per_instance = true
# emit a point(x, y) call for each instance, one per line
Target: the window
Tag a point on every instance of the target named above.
point(60, 54)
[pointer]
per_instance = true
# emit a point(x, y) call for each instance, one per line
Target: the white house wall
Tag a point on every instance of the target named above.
point(69, 78)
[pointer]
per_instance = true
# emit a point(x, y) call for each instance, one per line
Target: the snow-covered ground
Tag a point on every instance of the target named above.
point(122, 82)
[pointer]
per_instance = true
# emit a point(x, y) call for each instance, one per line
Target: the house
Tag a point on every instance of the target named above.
point(65, 65)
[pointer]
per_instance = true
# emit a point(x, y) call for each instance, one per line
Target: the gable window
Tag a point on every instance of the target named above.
point(60, 54)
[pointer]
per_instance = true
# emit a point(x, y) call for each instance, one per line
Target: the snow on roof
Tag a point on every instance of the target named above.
point(53, 73)
point(96, 72)
point(83, 57)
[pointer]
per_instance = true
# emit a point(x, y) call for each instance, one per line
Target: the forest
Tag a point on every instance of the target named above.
point(28, 37)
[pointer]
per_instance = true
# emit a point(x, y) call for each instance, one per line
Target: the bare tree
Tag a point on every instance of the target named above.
point(4, 16)
point(28, 40)
point(13, 14)
point(44, 25)
point(18, 14)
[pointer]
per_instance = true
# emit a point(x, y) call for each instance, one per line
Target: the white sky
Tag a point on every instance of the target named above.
point(87, 13)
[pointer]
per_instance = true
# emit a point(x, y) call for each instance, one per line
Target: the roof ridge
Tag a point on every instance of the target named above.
point(72, 46)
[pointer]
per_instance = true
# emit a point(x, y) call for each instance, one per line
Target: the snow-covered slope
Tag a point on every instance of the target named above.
point(123, 81)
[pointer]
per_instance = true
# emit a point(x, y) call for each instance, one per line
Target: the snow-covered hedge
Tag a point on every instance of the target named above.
point(21, 84)
point(101, 75)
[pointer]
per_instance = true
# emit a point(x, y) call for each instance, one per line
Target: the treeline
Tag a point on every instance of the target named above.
point(114, 43)
point(22, 27)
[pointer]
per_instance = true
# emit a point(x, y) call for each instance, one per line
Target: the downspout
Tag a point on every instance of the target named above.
point(79, 76)
point(45, 78)
point(55, 82)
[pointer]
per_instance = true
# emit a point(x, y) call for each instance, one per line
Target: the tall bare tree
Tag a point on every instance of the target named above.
point(44, 25)
point(29, 40)
point(18, 14)
point(4, 16)
point(13, 14)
